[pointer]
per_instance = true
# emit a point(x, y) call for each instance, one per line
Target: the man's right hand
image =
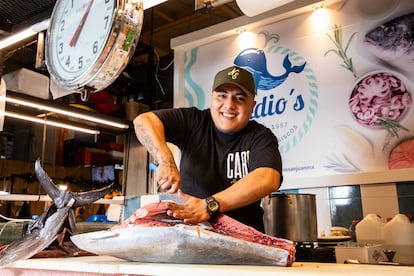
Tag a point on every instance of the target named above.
point(168, 177)
point(150, 132)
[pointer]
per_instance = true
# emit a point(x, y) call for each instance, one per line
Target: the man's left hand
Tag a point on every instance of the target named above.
point(193, 210)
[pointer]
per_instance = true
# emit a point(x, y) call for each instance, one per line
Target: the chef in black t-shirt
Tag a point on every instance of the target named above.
point(228, 162)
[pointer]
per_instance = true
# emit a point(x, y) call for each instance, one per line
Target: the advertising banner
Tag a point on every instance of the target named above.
point(337, 94)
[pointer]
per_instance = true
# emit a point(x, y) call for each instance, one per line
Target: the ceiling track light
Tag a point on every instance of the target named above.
point(26, 33)
point(48, 122)
point(61, 111)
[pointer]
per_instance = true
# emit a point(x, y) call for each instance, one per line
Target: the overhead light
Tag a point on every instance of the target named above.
point(245, 39)
point(62, 187)
point(318, 7)
point(241, 30)
point(151, 3)
point(56, 110)
point(48, 122)
point(320, 17)
point(32, 30)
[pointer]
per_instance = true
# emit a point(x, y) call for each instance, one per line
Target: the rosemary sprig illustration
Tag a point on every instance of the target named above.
point(346, 165)
point(340, 50)
point(391, 126)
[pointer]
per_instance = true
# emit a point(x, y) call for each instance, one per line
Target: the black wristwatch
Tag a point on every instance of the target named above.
point(212, 206)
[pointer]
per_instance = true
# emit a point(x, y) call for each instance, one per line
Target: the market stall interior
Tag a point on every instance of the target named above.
point(145, 83)
point(93, 150)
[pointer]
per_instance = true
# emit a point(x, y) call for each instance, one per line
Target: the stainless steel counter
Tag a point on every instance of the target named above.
point(105, 265)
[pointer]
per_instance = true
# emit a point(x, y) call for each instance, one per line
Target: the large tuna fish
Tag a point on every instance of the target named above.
point(149, 235)
point(393, 42)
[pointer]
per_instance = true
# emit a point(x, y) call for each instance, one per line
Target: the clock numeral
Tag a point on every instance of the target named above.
point(60, 51)
point(106, 18)
point(95, 47)
point(67, 63)
point(80, 62)
point(62, 25)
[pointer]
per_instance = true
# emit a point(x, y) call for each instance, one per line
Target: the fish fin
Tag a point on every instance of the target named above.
point(47, 183)
point(89, 197)
point(61, 198)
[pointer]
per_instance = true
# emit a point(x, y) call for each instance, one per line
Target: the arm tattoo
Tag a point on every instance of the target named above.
point(145, 138)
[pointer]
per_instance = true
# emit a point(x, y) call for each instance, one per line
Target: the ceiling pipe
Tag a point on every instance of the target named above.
point(217, 3)
point(205, 6)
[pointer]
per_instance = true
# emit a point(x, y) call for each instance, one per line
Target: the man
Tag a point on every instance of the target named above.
point(228, 162)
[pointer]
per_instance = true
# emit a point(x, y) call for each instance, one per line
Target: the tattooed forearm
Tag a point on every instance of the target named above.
point(146, 140)
point(150, 132)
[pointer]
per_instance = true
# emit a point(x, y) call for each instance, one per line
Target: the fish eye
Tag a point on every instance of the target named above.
point(389, 30)
point(407, 36)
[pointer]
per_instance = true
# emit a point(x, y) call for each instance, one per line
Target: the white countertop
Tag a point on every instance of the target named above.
point(98, 265)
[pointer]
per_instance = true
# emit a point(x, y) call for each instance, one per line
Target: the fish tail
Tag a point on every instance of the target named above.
point(287, 64)
point(89, 197)
point(298, 68)
point(61, 198)
point(47, 183)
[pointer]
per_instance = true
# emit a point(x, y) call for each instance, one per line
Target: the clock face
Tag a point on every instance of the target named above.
point(77, 36)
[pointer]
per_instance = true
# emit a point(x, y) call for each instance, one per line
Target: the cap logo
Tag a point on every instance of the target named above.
point(234, 73)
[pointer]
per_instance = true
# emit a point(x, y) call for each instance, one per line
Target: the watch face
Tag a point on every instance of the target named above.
point(212, 206)
point(77, 36)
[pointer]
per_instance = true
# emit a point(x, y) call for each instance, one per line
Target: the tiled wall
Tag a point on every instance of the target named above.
point(405, 192)
point(339, 205)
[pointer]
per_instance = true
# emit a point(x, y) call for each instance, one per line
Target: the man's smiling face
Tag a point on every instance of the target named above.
point(231, 108)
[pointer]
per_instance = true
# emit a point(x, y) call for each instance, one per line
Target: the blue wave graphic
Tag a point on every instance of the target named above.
point(194, 94)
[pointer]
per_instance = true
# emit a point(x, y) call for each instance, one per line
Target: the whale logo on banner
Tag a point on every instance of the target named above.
point(286, 102)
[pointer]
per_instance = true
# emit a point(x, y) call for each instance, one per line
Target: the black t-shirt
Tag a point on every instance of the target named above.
point(212, 160)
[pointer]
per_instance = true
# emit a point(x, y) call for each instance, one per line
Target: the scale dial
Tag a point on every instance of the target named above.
point(90, 42)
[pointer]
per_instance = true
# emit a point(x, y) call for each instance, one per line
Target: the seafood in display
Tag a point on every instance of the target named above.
point(46, 229)
point(402, 155)
point(393, 42)
point(378, 98)
point(149, 235)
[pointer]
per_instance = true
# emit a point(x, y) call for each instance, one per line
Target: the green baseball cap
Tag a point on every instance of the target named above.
point(237, 76)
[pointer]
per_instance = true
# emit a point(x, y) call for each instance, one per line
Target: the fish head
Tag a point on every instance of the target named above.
point(253, 59)
point(392, 39)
